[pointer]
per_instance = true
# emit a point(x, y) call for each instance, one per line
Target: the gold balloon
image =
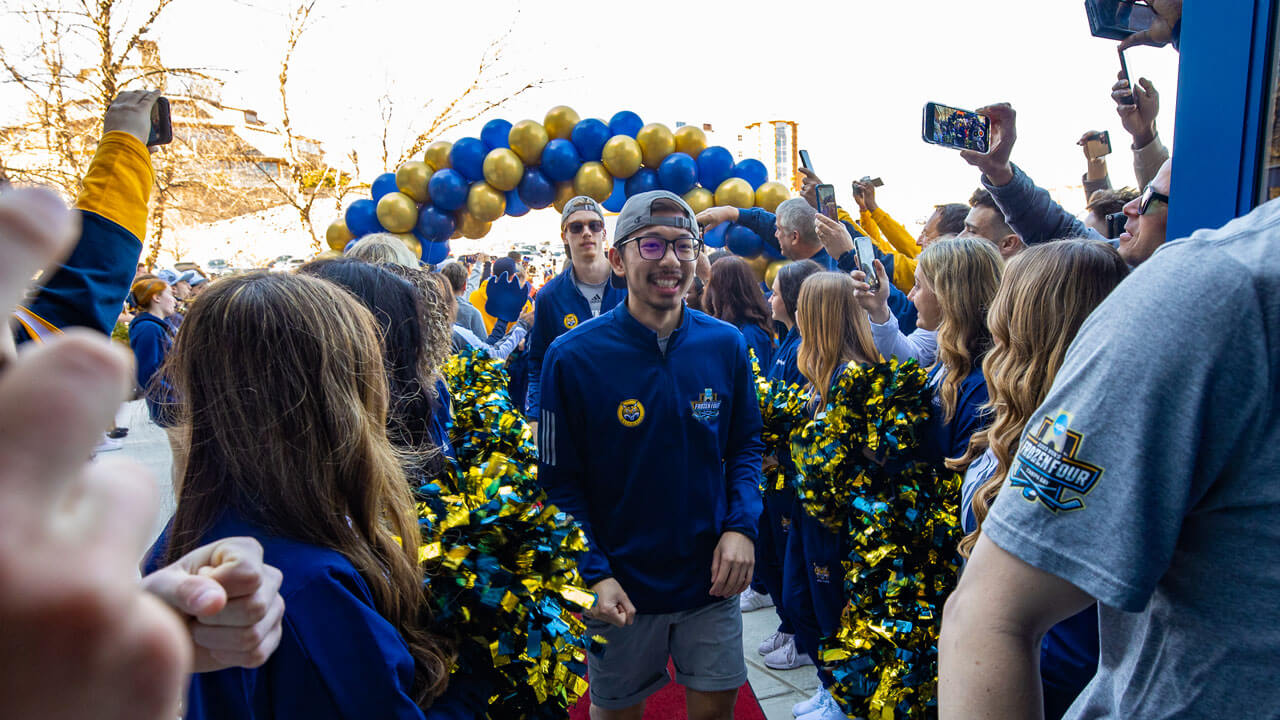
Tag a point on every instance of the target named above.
point(437, 154)
point(397, 212)
point(621, 156)
point(470, 227)
point(759, 266)
point(329, 254)
point(527, 138)
point(656, 143)
point(593, 181)
point(485, 203)
point(411, 242)
point(559, 122)
point(564, 193)
point(503, 169)
point(699, 199)
point(771, 272)
point(691, 140)
point(412, 178)
point(736, 192)
point(337, 236)
point(771, 194)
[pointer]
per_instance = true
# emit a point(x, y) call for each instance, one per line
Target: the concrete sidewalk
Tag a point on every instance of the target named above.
point(777, 690)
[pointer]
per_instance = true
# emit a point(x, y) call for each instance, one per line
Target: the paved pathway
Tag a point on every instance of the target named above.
point(777, 690)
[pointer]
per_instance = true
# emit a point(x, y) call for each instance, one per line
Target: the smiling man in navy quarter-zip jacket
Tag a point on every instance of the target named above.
point(650, 438)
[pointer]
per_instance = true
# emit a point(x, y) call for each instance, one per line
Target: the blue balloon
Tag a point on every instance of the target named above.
point(678, 173)
point(435, 252)
point(643, 181)
point(560, 160)
point(434, 225)
point(467, 157)
point(362, 217)
point(448, 189)
point(625, 123)
point(715, 165)
point(535, 189)
point(715, 236)
point(515, 206)
point(350, 244)
point(383, 184)
point(743, 241)
point(494, 134)
point(772, 252)
point(589, 137)
point(753, 171)
point(618, 197)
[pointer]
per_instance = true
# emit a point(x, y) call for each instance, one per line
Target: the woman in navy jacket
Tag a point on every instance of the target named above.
point(151, 338)
point(282, 379)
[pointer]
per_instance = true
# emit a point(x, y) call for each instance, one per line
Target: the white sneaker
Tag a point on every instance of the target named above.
point(108, 444)
point(804, 707)
point(827, 709)
point(786, 657)
point(751, 600)
point(773, 642)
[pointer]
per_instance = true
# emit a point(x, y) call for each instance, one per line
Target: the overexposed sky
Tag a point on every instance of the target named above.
point(853, 74)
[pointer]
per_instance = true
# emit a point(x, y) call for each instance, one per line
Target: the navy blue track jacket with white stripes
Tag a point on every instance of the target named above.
point(656, 454)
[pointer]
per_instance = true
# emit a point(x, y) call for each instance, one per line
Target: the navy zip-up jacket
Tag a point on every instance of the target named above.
point(941, 439)
point(655, 454)
point(759, 341)
point(151, 339)
point(558, 308)
point(786, 360)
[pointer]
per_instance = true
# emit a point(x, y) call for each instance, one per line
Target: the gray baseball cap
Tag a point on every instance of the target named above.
point(637, 214)
point(580, 202)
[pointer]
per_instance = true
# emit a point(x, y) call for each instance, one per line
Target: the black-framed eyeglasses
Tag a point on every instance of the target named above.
point(654, 247)
point(575, 228)
point(1148, 195)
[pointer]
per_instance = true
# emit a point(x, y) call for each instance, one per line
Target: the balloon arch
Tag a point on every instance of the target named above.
point(460, 189)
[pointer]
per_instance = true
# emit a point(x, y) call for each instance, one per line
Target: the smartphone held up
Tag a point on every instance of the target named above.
point(955, 128)
point(826, 196)
point(161, 124)
point(866, 261)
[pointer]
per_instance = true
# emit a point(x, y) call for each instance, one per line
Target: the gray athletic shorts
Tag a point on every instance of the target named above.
point(705, 645)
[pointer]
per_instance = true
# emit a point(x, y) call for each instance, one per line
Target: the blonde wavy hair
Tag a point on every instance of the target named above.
point(834, 329)
point(964, 273)
point(1047, 293)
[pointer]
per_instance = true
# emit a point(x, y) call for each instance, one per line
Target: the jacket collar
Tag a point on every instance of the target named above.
point(634, 329)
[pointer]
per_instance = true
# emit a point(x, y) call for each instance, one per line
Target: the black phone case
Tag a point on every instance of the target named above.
point(161, 124)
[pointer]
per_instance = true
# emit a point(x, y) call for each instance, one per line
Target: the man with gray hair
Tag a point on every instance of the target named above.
point(793, 225)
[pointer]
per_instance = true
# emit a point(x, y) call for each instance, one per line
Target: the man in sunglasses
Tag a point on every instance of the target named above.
point(650, 438)
point(1148, 216)
point(576, 295)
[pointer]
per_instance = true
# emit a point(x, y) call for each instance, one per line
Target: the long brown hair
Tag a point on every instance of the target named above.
point(285, 398)
point(834, 330)
point(733, 295)
point(1047, 293)
point(964, 273)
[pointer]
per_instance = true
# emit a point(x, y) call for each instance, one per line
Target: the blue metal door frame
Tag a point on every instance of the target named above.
point(1223, 85)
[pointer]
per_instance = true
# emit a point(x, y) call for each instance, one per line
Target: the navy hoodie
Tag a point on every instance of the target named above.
point(558, 308)
point(151, 339)
point(655, 454)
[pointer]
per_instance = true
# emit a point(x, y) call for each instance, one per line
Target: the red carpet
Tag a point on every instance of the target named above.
point(668, 704)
